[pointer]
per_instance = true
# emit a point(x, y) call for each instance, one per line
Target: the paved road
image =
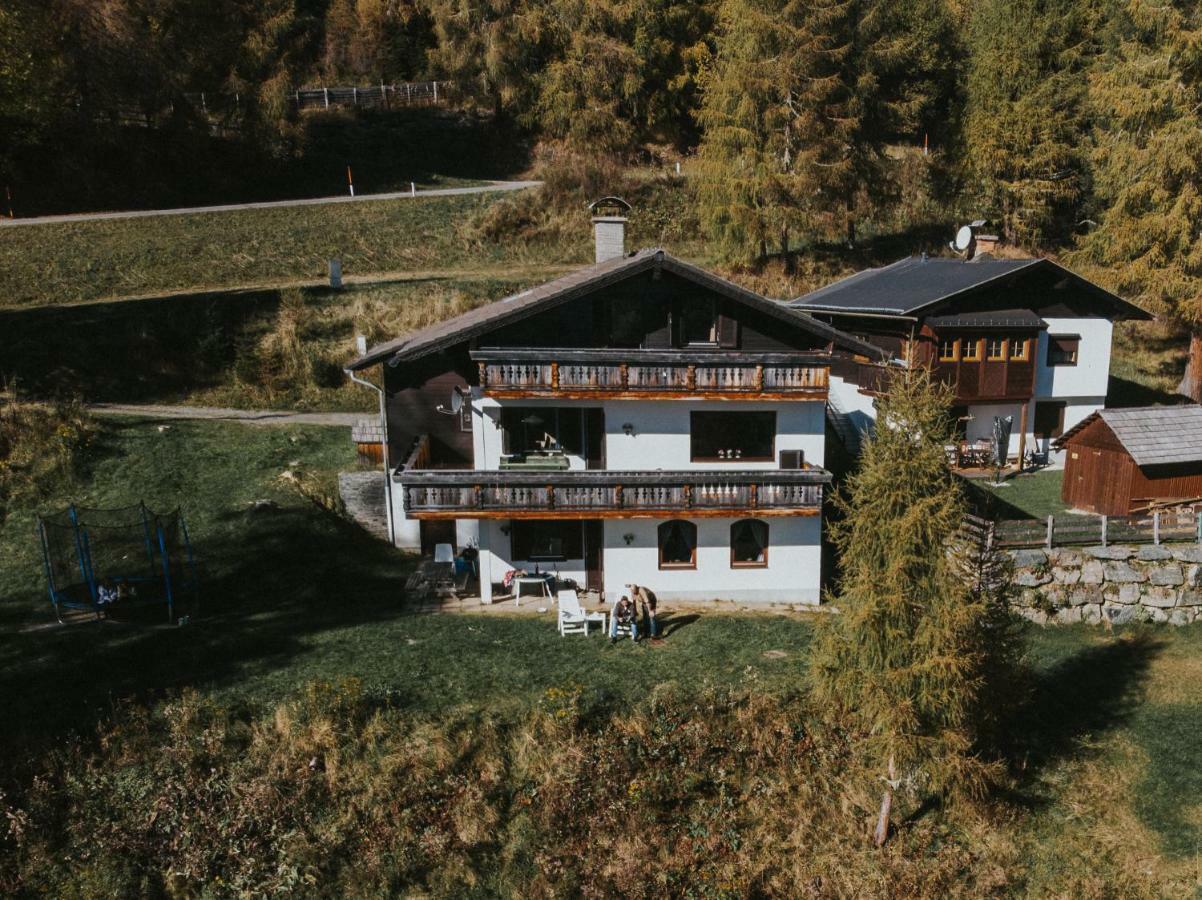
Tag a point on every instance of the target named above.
point(491, 187)
point(246, 416)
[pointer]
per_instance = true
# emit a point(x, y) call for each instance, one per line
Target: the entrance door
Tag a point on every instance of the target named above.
point(594, 555)
point(436, 531)
point(594, 438)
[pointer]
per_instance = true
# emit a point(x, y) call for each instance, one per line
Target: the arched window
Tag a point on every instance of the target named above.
point(678, 545)
point(748, 544)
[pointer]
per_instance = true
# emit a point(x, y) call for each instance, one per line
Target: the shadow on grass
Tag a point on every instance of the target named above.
point(288, 576)
point(988, 505)
point(1122, 392)
point(673, 622)
point(1095, 690)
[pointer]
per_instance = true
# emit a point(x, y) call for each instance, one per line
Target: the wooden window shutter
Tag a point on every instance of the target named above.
point(728, 332)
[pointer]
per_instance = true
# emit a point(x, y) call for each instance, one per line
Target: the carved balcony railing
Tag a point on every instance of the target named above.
point(595, 494)
point(581, 374)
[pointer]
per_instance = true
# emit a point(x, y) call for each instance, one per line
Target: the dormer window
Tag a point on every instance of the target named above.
point(699, 322)
point(970, 350)
point(948, 348)
point(1018, 349)
point(995, 348)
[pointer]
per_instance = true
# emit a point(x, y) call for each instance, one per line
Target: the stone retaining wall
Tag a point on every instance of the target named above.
point(363, 496)
point(1119, 584)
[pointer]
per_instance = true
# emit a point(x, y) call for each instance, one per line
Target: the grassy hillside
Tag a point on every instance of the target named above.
point(476, 755)
point(270, 348)
point(75, 262)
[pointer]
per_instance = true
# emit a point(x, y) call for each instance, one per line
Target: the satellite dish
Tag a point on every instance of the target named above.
point(963, 238)
point(456, 404)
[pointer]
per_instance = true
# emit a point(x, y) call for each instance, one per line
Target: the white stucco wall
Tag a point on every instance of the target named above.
point(1091, 375)
point(660, 434)
point(793, 573)
point(660, 438)
point(406, 533)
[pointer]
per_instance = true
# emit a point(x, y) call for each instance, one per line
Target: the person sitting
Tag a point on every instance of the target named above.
point(623, 614)
point(106, 594)
point(644, 604)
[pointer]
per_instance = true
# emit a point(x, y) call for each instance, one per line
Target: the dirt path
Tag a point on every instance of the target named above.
point(216, 413)
point(491, 187)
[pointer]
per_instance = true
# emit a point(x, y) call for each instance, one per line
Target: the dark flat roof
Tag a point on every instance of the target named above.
point(490, 316)
point(915, 283)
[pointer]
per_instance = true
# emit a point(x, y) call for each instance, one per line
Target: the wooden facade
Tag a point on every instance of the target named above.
point(1100, 476)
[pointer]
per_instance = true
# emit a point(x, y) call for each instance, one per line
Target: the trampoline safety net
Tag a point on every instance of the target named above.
point(143, 555)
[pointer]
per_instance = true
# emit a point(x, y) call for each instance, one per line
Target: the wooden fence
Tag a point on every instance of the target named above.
point(1181, 524)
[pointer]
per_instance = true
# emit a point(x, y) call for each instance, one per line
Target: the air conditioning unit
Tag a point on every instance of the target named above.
point(792, 459)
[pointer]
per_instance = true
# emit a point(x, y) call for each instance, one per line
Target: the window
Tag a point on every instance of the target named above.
point(971, 350)
point(678, 545)
point(534, 540)
point(995, 348)
point(699, 321)
point(532, 429)
point(1018, 349)
point(1062, 349)
point(947, 349)
point(733, 436)
point(1049, 420)
point(748, 544)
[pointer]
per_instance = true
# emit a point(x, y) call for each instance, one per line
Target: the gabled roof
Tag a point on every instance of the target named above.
point(912, 284)
point(1152, 435)
point(491, 316)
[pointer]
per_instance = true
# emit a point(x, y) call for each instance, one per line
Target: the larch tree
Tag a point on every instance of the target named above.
point(490, 49)
point(861, 75)
point(907, 660)
point(1025, 124)
point(1147, 97)
point(743, 183)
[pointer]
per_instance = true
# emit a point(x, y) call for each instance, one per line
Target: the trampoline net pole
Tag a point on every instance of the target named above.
point(166, 570)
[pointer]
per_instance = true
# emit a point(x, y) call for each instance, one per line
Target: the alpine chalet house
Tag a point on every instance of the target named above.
point(639, 420)
point(1017, 337)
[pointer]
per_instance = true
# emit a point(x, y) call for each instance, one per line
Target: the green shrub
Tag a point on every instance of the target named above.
point(40, 445)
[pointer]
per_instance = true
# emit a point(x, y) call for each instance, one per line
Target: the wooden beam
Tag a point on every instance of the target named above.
point(1022, 435)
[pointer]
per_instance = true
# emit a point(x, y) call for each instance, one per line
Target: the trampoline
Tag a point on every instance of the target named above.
point(112, 560)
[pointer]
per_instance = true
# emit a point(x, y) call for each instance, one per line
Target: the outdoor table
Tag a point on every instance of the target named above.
point(540, 583)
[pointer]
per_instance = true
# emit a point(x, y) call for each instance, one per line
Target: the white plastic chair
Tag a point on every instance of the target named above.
point(573, 619)
point(444, 553)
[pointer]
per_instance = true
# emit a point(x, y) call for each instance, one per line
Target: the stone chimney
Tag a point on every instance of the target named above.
point(609, 227)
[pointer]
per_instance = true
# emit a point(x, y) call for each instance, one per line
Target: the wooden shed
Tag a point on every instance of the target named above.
point(1116, 460)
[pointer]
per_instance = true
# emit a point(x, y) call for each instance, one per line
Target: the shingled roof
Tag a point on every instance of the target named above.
point(491, 316)
point(910, 285)
point(1153, 435)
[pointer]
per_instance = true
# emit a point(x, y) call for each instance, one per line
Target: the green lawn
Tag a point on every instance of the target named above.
point(1033, 495)
point(1105, 751)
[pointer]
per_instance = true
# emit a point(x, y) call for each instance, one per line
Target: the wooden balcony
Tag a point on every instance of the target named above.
point(651, 375)
point(616, 495)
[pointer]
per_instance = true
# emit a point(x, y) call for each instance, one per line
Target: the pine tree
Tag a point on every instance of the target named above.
point(906, 659)
point(743, 184)
point(1025, 133)
point(1147, 97)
